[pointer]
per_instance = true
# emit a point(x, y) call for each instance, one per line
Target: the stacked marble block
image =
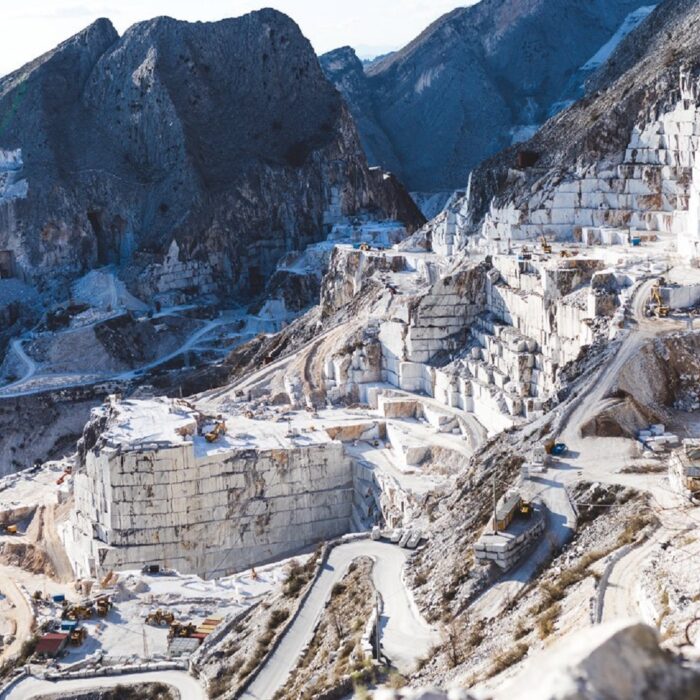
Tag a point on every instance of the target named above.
point(655, 188)
point(450, 227)
point(175, 276)
point(349, 375)
point(428, 328)
point(209, 514)
point(687, 138)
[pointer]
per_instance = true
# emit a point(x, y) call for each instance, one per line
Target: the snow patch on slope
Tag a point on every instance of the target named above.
point(426, 78)
point(631, 22)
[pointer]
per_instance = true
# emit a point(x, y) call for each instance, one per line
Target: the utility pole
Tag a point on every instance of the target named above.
point(495, 520)
point(376, 626)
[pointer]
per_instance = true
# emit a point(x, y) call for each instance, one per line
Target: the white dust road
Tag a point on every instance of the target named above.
point(21, 612)
point(50, 382)
point(187, 686)
point(405, 636)
point(561, 525)
point(16, 346)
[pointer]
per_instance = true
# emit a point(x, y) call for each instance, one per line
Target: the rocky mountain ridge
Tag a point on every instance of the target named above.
point(475, 81)
point(191, 156)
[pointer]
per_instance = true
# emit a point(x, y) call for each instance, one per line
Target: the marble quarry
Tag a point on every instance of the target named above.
point(488, 340)
point(655, 190)
point(154, 490)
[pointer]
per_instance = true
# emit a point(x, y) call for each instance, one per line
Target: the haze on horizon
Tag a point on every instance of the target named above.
point(33, 27)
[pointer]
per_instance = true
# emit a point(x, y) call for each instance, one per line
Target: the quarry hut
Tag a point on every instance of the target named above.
point(51, 644)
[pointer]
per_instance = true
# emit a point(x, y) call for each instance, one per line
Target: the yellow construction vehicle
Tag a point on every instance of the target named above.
point(218, 430)
point(364, 247)
point(656, 302)
point(160, 618)
point(525, 508)
point(11, 529)
point(77, 636)
point(103, 605)
point(78, 611)
point(546, 246)
point(181, 629)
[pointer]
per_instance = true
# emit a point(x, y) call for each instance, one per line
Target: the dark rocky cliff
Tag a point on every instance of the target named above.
point(475, 79)
point(224, 137)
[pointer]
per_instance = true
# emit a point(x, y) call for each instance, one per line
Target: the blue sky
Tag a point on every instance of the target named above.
point(30, 27)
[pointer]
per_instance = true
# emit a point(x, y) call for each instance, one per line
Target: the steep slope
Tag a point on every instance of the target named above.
point(191, 155)
point(627, 125)
point(475, 81)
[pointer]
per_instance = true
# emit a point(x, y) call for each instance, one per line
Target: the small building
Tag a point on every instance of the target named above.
point(51, 644)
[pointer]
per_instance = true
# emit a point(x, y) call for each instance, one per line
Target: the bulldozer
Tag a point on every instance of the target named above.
point(217, 431)
point(181, 629)
point(160, 618)
point(78, 611)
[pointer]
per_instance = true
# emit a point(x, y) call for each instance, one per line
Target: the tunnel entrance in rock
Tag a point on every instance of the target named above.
point(256, 281)
point(7, 264)
point(95, 219)
point(106, 238)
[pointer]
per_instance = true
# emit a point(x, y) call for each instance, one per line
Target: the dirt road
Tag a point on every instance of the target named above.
point(19, 610)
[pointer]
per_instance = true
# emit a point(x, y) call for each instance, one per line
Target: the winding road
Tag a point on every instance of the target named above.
point(30, 688)
point(405, 637)
point(595, 458)
point(601, 459)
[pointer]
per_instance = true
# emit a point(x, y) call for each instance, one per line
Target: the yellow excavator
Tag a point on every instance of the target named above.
point(656, 302)
point(218, 430)
point(546, 246)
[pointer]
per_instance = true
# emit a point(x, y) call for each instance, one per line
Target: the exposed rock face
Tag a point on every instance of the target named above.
point(472, 83)
point(617, 660)
point(194, 154)
point(626, 134)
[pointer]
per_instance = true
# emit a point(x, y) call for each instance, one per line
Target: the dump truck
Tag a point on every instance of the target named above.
point(160, 618)
point(181, 629)
point(103, 605)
